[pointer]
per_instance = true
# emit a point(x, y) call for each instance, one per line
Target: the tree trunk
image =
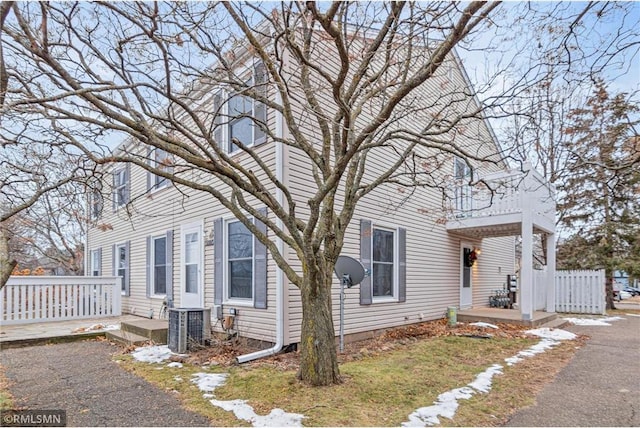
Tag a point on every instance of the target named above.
point(6, 263)
point(318, 356)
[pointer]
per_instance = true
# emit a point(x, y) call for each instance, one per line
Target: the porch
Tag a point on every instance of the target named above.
point(518, 202)
point(510, 316)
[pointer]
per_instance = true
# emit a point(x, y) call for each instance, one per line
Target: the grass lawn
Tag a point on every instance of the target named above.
point(380, 387)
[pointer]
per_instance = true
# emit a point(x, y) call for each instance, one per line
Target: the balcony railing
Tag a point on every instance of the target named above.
point(504, 193)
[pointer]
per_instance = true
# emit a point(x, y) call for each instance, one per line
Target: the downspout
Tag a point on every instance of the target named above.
point(277, 347)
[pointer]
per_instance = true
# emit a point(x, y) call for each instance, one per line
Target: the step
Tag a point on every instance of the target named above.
point(152, 329)
point(555, 323)
point(126, 338)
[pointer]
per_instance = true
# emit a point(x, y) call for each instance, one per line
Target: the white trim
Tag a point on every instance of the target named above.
point(396, 264)
point(184, 230)
point(226, 299)
point(116, 265)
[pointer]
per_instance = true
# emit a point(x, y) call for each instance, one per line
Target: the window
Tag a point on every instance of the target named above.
point(161, 160)
point(96, 256)
point(122, 264)
point(245, 114)
point(191, 262)
point(96, 204)
point(159, 270)
point(384, 270)
point(239, 261)
point(462, 175)
point(120, 187)
point(383, 251)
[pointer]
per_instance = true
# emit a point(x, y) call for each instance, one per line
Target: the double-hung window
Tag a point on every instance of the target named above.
point(463, 194)
point(239, 261)
point(246, 116)
point(160, 160)
point(384, 263)
point(96, 256)
point(96, 204)
point(159, 269)
point(122, 264)
point(120, 187)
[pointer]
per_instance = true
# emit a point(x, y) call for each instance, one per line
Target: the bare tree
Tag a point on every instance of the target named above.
point(345, 77)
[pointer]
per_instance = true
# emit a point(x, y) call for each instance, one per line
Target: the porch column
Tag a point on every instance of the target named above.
point(551, 273)
point(526, 266)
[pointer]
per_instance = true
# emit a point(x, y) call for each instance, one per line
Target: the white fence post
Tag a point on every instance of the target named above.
point(30, 299)
point(580, 291)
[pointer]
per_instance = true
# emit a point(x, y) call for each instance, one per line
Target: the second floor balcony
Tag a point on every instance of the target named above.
point(501, 203)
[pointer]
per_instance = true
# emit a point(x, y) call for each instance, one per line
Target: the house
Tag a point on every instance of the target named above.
point(170, 242)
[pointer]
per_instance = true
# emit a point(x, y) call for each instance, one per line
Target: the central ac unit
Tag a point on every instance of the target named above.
point(188, 327)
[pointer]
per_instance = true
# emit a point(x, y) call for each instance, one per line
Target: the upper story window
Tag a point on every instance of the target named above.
point(463, 194)
point(161, 160)
point(384, 262)
point(245, 115)
point(121, 186)
point(96, 204)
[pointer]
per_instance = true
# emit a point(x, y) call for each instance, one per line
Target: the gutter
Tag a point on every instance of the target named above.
point(277, 347)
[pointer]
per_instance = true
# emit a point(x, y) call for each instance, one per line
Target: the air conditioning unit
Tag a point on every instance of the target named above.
point(188, 327)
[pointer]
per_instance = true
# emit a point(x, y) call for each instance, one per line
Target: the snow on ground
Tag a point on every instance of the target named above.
point(152, 354)
point(96, 327)
point(175, 364)
point(208, 382)
point(593, 321)
point(447, 402)
point(483, 324)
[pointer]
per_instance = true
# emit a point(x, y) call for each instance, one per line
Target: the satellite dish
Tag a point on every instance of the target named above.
point(349, 270)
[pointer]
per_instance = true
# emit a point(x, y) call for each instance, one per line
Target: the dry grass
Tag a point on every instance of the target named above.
point(384, 379)
point(6, 399)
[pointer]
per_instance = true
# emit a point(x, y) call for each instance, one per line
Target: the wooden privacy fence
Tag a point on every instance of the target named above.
point(30, 299)
point(580, 291)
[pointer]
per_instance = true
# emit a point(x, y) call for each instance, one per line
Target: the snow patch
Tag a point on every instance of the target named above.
point(208, 382)
point(484, 324)
point(552, 333)
point(593, 321)
point(447, 403)
point(275, 418)
point(175, 364)
point(152, 354)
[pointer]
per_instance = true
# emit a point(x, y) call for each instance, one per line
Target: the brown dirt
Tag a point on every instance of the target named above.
point(224, 353)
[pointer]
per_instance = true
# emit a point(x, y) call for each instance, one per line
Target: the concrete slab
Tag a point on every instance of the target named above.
point(58, 331)
point(512, 316)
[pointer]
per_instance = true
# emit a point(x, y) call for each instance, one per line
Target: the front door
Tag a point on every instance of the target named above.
point(191, 283)
point(466, 299)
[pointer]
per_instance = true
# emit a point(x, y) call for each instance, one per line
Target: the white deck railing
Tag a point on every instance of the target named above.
point(30, 299)
point(506, 193)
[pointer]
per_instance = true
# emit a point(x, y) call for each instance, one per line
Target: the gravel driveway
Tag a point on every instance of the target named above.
point(81, 378)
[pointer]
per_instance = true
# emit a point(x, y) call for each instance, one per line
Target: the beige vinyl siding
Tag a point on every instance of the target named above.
point(433, 255)
point(170, 208)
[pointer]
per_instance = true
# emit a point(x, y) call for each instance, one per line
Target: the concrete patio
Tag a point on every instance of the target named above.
point(511, 316)
point(58, 331)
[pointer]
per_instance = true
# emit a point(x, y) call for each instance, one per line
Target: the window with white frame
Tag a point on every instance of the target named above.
point(161, 160)
point(384, 262)
point(245, 114)
point(239, 261)
point(121, 187)
point(96, 255)
point(463, 194)
point(96, 204)
point(159, 269)
point(122, 264)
